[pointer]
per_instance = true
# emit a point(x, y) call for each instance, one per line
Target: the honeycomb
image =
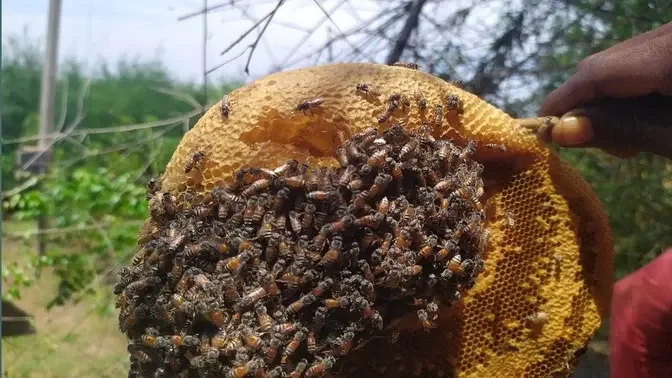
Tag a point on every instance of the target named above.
point(547, 278)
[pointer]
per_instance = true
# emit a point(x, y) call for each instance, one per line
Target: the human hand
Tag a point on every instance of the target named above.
point(619, 99)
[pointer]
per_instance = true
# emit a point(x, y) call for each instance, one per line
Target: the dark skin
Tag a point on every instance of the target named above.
point(620, 100)
point(625, 95)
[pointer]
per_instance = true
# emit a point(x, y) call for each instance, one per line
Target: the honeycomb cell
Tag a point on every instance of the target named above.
point(265, 132)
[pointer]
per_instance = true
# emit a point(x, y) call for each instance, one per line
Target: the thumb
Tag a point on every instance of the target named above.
point(620, 126)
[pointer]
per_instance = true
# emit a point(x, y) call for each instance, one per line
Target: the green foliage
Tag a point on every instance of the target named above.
point(636, 193)
point(100, 210)
point(94, 193)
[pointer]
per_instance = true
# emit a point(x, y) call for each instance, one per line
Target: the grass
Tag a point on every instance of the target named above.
point(75, 340)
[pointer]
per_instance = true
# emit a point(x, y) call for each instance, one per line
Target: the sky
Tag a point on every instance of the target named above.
point(97, 30)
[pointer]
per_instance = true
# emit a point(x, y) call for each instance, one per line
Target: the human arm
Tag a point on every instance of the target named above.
point(619, 99)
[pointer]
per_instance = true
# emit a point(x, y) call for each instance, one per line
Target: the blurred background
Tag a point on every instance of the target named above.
point(131, 77)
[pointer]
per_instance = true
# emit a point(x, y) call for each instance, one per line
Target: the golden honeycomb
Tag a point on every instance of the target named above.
point(548, 274)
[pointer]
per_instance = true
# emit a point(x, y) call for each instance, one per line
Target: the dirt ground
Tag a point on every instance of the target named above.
point(75, 340)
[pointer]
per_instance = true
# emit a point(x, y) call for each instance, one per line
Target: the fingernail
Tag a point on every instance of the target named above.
point(572, 130)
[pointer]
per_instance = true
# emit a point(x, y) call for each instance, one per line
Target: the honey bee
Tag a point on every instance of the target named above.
point(184, 340)
point(250, 208)
point(268, 283)
point(319, 368)
point(453, 102)
point(493, 146)
point(309, 105)
point(399, 100)
point(510, 220)
point(204, 283)
point(368, 289)
point(243, 370)
point(377, 158)
point(427, 324)
point(389, 110)
point(278, 267)
point(311, 342)
point(342, 157)
point(412, 66)
point(141, 285)
point(233, 343)
point(195, 161)
point(219, 339)
point(270, 351)
point(538, 319)
point(265, 321)
point(355, 185)
point(322, 287)
point(225, 108)
point(455, 264)
point(290, 166)
point(252, 340)
point(250, 299)
point(293, 346)
point(299, 369)
point(368, 136)
point(285, 328)
point(427, 250)
point(340, 302)
point(367, 89)
point(379, 184)
point(300, 303)
point(236, 263)
point(256, 187)
point(308, 216)
point(229, 289)
point(347, 175)
point(224, 196)
point(438, 116)
point(366, 270)
point(319, 195)
point(409, 150)
point(468, 150)
point(420, 99)
point(142, 356)
point(331, 257)
point(279, 200)
point(152, 188)
point(346, 344)
point(403, 240)
point(483, 240)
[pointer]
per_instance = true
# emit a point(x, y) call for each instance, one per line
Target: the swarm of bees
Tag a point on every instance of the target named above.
point(284, 271)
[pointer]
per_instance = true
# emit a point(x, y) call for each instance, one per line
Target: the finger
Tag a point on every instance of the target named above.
point(636, 67)
point(643, 124)
point(578, 90)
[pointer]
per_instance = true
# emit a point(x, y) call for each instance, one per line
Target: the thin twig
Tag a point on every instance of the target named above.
point(345, 38)
point(109, 130)
point(215, 68)
point(261, 33)
point(65, 230)
point(20, 188)
point(189, 99)
point(245, 34)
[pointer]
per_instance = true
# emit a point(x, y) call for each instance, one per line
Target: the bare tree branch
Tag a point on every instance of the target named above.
point(411, 24)
point(261, 34)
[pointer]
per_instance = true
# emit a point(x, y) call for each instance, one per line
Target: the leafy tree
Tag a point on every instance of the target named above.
point(94, 192)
